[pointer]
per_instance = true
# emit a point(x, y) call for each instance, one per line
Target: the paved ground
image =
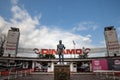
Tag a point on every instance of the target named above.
point(44, 76)
point(50, 76)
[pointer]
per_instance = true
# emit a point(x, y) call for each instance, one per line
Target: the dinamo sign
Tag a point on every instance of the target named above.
point(54, 51)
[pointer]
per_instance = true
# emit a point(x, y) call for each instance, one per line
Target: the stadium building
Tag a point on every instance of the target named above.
point(27, 58)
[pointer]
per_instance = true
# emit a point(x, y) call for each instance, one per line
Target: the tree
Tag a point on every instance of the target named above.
point(49, 56)
point(83, 56)
point(85, 53)
point(2, 41)
point(40, 56)
point(80, 56)
point(46, 56)
point(1, 49)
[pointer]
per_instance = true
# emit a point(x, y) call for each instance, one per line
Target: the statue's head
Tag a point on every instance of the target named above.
point(60, 41)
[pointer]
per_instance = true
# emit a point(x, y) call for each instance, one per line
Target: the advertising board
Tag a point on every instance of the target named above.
point(114, 64)
point(11, 44)
point(99, 64)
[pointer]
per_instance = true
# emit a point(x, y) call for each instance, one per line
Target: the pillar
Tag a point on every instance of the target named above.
point(73, 67)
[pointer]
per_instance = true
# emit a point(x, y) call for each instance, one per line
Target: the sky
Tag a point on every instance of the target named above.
point(43, 23)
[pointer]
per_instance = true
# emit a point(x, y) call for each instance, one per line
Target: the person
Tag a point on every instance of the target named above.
point(84, 66)
point(60, 48)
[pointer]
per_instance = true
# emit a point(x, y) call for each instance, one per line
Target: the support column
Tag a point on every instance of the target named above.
point(73, 67)
point(51, 67)
point(33, 66)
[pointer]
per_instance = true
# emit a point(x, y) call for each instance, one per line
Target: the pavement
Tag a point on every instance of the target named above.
point(50, 76)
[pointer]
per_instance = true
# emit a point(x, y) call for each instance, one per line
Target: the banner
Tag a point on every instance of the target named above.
point(114, 64)
point(99, 64)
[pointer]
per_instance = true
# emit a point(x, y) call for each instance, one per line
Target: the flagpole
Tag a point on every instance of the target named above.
point(74, 48)
point(74, 51)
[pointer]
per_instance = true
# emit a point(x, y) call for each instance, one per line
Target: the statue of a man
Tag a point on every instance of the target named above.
point(60, 48)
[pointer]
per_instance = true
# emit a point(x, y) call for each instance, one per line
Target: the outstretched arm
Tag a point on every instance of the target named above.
point(63, 46)
point(57, 47)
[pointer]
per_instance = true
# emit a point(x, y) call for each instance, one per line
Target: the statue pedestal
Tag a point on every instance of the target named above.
point(62, 72)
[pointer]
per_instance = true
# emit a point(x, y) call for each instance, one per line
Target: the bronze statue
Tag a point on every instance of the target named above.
point(60, 48)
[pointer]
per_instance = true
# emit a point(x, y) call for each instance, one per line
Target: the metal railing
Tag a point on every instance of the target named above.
point(12, 74)
point(107, 74)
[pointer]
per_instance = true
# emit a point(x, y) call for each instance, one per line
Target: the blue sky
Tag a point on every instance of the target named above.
point(48, 21)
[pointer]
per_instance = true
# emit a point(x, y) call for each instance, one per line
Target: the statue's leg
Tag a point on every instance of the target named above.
point(59, 58)
point(62, 58)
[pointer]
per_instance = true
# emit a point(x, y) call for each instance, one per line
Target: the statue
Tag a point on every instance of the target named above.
point(60, 48)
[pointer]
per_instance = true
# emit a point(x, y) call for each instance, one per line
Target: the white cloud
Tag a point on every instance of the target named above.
point(14, 1)
point(95, 27)
point(85, 26)
point(89, 36)
point(42, 37)
point(3, 25)
point(103, 43)
point(79, 27)
point(119, 28)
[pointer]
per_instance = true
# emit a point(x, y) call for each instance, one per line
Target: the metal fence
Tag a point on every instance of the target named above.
point(107, 74)
point(12, 74)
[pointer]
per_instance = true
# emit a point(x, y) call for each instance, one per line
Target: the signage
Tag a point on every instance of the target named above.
point(112, 42)
point(114, 64)
point(11, 43)
point(54, 51)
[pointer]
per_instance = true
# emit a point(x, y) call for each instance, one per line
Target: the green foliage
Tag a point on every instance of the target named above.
point(46, 56)
point(49, 56)
point(40, 56)
point(2, 49)
point(83, 56)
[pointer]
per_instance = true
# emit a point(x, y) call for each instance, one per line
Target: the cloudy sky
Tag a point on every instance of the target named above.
point(43, 23)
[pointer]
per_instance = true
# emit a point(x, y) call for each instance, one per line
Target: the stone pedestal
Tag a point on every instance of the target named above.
point(62, 72)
